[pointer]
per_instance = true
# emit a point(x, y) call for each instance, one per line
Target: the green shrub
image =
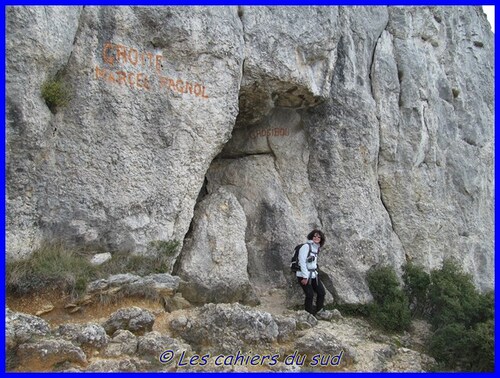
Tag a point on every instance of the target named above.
point(416, 287)
point(448, 343)
point(383, 284)
point(480, 347)
point(56, 93)
point(393, 314)
point(390, 308)
point(452, 296)
point(462, 319)
point(466, 349)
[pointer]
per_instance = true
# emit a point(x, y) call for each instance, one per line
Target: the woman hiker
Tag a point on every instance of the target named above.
point(307, 276)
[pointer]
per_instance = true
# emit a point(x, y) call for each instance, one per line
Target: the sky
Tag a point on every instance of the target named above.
point(490, 13)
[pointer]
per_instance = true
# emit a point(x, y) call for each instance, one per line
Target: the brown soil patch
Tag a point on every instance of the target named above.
point(96, 311)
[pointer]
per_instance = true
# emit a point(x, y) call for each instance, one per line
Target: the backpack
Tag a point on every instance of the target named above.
point(294, 265)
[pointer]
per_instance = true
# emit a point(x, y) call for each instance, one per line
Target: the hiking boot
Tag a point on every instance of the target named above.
point(323, 315)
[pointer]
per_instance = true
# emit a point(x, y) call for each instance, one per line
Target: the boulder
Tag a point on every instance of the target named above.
point(157, 286)
point(45, 354)
point(327, 348)
point(123, 342)
point(21, 328)
point(88, 335)
point(153, 344)
point(134, 319)
point(100, 258)
point(225, 328)
point(214, 262)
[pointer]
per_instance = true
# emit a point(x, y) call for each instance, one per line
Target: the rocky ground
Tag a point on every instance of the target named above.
point(116, 327)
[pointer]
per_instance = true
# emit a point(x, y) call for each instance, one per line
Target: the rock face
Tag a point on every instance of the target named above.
point(436, 153)
point(236, 130)
point(153, 100)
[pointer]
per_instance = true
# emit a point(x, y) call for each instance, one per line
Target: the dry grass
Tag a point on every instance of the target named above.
point(57, 266)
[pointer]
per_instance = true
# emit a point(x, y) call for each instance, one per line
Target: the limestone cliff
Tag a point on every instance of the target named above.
point(236, 130)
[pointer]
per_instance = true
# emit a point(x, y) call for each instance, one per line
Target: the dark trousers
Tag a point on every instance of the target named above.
point(313, 286)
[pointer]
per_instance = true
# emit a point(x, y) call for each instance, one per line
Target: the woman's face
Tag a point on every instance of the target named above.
point(317, 238)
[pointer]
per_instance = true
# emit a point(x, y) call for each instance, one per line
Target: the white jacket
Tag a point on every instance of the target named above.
point(307, 268)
